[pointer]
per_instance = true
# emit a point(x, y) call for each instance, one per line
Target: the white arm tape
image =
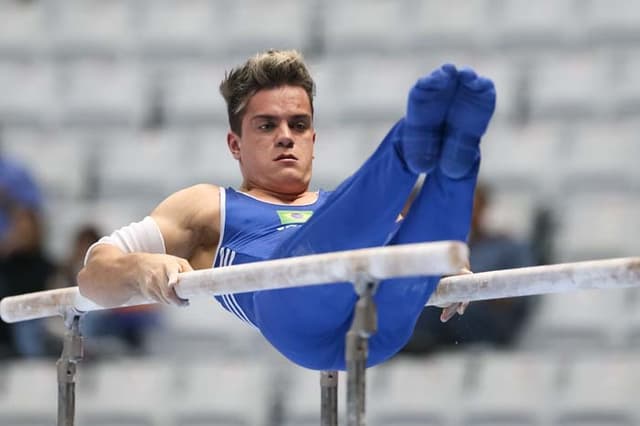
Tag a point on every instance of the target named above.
point(143, 236)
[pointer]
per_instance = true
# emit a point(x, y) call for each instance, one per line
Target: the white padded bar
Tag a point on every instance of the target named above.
point(608, 273)
point(437, 258)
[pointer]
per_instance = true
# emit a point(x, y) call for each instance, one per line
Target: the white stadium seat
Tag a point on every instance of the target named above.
point(600, 152)
point(339, 152)
point(94, 27)
point(57, 162)
point(379, 25)
point(64, 217)
point(125, 392)
point(253, 26)
point(510, 389)
point(421, 391)
point(103, 92)
point(511, 211)
point(23, 27)
point(221, 391)
point(599, 391)
point(519, 23)
point(522, 154)
point(141, 164)
point(569, 86)
point(374, 86)
point(192, 94)
point(205, 330)
point(188, 27)
point(626, 85)
point(207, 157)
point(29, 394)
point(577, 321)
point(451, 24)
point(612, 20)
point(29, 92)
point(598, 223)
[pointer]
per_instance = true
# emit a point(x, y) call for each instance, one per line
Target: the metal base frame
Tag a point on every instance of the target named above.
point(72, 353)
point(365, 323)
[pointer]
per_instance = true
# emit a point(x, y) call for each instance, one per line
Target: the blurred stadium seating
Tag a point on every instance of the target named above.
point(113, 105)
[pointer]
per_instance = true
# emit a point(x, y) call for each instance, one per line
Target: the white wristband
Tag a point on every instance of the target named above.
point(143, 236)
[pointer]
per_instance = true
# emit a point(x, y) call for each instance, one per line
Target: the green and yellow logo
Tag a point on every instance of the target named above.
point(294, 216)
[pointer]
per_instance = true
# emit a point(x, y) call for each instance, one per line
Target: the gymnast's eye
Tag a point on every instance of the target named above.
point(300, 123)
point(300, 126)
point(267, 125)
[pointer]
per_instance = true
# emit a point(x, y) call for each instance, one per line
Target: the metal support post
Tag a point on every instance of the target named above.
point(72, 352)
point(329, 398)
point(365, 323)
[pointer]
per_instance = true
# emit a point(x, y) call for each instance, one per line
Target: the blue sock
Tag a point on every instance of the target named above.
point(429, 100)
point(467, 120)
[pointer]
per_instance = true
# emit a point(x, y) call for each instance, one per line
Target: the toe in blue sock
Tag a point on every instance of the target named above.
point(466, 122)
point(427, 106)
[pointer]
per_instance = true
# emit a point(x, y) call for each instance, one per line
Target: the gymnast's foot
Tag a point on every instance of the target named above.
point(427, 107)
point(467, 120)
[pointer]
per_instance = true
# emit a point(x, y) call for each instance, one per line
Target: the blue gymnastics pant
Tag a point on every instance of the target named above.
point(308, 325)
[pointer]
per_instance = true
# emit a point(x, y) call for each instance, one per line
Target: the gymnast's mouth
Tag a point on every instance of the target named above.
point(285, 157)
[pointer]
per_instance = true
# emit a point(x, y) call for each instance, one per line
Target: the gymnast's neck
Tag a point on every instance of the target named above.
point(280, 197)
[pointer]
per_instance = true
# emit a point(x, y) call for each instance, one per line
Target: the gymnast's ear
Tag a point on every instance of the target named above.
point(233, 142)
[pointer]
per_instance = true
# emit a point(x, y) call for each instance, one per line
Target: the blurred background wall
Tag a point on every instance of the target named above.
point(111, 105)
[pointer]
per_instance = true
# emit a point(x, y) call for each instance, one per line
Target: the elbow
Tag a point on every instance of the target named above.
point(90, 280)
point(84, 285)
point(93, 284)
point(90, 290)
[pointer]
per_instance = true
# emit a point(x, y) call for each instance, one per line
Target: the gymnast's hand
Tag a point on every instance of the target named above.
point(157, 276)
point(459, 307)
point(112, 277)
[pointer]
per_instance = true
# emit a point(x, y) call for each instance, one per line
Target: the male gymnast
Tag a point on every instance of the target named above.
point(274, 215)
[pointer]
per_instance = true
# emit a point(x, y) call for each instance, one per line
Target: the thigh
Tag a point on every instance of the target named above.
point(441, 211)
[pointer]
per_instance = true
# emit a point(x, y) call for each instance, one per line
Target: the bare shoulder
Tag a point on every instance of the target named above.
point(189, 218)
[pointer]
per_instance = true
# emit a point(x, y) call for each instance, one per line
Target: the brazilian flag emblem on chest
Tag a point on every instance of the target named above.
point(294, 216)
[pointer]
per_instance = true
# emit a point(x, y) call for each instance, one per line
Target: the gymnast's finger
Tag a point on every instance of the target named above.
point(462, 307)
point(448, 312)
point(170, 290)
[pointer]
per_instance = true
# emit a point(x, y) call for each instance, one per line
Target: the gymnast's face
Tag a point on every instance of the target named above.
point(275, 150)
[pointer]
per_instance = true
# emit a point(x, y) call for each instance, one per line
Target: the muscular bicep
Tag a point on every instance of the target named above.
point(189, 220)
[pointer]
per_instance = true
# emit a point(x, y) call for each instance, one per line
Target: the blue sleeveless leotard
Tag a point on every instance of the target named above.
point(251, 230)
point(308, 324)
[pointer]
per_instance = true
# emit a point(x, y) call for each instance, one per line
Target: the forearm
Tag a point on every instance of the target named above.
point(132, 261)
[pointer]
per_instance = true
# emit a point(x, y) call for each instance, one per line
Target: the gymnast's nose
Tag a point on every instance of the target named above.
point(284, 137)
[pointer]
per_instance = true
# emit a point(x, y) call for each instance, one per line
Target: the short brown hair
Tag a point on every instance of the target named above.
point(273, 68)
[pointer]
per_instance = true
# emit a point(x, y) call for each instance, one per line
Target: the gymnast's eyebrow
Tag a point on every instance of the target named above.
point(306, 117)
point(305, 120)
